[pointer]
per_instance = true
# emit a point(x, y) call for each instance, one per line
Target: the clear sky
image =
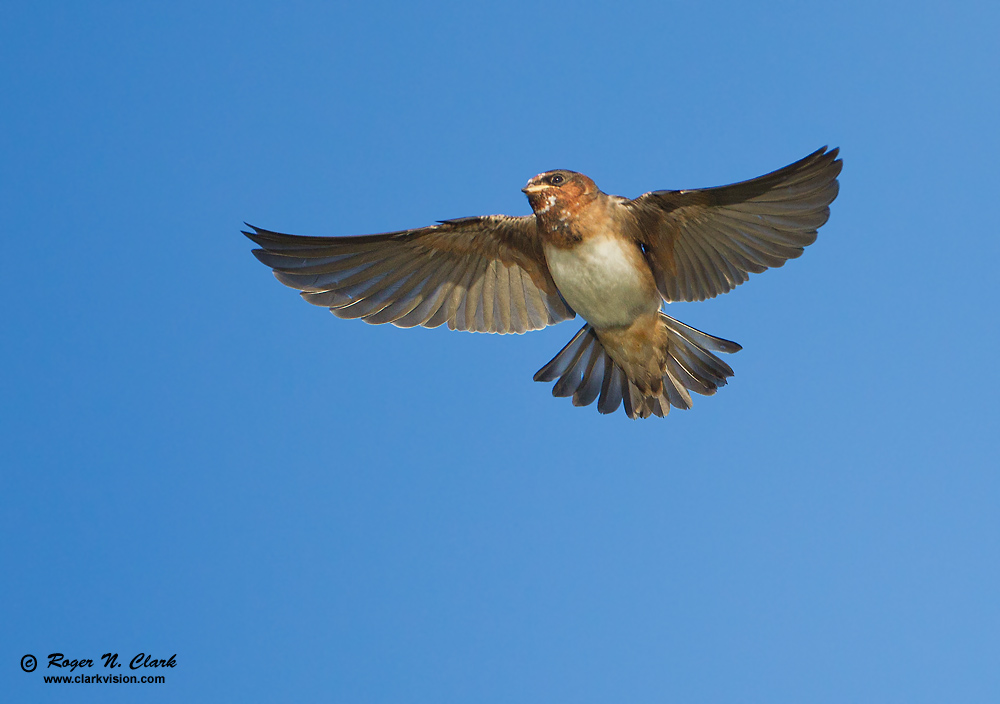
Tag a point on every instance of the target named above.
point(301, 508)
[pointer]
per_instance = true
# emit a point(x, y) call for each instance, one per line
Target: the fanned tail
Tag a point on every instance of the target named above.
point(584, 370)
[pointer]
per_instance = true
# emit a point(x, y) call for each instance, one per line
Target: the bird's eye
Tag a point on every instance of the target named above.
point(556, 179)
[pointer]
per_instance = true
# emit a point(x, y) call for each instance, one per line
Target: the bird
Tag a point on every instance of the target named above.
point(611, 260)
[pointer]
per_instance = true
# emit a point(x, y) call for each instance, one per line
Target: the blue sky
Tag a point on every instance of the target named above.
point(301, 507)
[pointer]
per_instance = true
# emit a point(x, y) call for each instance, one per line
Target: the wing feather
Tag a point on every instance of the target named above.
point(482, 274)
point(704, 242)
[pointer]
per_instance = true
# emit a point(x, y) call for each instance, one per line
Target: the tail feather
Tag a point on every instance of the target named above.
point(633, 400)
point(584, 370)
point(593, 378)
point(688, 380)
point(561, 363)
point(612, 388)
point(570, 381)
point(701, 339)
point(675, 390)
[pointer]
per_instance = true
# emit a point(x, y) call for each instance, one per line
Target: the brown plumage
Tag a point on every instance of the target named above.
point(610, 259)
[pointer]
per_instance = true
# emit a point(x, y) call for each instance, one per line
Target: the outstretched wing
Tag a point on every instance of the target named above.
point(482, 274)
point(704, 242)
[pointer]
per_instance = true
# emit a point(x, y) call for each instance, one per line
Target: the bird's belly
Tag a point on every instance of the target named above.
point(605, 280)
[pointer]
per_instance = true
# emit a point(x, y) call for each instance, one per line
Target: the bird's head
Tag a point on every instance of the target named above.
point(559, 189)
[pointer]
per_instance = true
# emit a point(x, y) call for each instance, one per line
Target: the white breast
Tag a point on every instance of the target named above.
point(604, 279)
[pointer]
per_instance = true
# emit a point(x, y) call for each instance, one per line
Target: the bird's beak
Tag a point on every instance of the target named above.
point(532, 187)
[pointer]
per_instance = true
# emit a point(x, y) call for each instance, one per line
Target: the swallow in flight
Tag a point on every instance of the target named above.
point(611, 260)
